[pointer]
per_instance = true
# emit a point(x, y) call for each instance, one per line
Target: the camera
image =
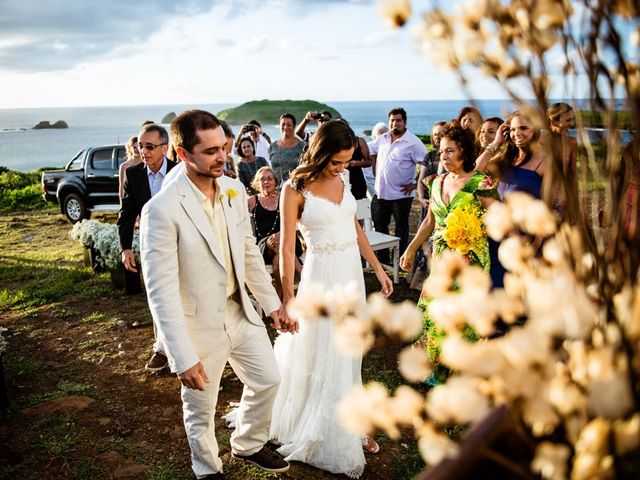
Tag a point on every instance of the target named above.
point(316, 116)
point(250, 128)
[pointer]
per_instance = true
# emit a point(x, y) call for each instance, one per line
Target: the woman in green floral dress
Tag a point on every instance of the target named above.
point(459, 199)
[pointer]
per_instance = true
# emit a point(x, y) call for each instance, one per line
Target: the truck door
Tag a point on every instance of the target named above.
point(102, 178)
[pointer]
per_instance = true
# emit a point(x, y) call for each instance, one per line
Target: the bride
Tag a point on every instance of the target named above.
point(314, 376)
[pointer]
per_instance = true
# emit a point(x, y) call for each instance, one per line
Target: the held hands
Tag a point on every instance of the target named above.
point(282, 322)
point(129, 260)
point(195, 377)
point(385, 283)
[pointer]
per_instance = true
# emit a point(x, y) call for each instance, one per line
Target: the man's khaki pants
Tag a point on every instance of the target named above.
point(247, 348)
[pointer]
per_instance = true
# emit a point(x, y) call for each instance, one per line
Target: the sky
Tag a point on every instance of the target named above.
point(155, 52)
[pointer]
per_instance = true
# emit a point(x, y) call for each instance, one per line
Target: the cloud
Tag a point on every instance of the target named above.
point(56, 35)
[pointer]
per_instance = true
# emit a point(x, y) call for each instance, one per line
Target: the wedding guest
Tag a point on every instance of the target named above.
point(230, 166)
point(133, 159)
point(460, 187)
point(521, 165)
point(261, 140)
point(284, 154)
point(470, 118)
point(320, 117)
point(264, 208)
point(565, 189)
point(377, 130)
point(199, 258)
point(394, 159)
point(430, 167)
point(488, 131)
point(140, 184)
point(314, 374)
point(249, 164)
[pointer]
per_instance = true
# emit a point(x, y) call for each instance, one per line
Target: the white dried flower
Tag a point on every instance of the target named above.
point(457, 401)
point(395, 13)
point(550, 461)
point(507, 307)
point(565, 396)
point(404, 322)
point(378, 308)
point(407, 405)
point(355, 412)
point(310, 304)
point(448, 312)
point(594, 438)
point(538, 221)
point(553, 252)
point(538, 413)
point(480, 358)
point(514, 254)
point(524, 347)
point(353, 337)
point(498, 220)
point(435, 446)
point(587, 466)
point(612, 397)
point(627, 434)
point(474, 279)
point(413, 364)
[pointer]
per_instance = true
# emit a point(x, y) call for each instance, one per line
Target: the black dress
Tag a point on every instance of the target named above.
point(265, 223)
point(356, 177)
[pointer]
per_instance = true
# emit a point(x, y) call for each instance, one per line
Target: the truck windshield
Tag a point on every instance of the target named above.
point(76, 162)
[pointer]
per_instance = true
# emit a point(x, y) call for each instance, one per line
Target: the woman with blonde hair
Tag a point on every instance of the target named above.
point(133, 159)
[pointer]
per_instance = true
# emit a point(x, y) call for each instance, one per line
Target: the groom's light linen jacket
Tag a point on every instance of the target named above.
point(184, 269)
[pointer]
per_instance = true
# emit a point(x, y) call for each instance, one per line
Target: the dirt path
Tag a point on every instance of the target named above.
point(81, 404)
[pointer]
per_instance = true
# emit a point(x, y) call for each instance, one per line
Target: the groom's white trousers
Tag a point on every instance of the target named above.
point(247, 348)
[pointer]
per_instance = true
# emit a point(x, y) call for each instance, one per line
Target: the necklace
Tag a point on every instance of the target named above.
point(276, 221)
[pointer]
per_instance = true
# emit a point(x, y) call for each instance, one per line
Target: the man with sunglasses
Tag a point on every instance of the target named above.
point(140, 184)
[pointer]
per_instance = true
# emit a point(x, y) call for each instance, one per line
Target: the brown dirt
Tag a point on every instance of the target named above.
point(133, 428)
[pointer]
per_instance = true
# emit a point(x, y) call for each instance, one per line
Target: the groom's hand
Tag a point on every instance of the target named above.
point(292, 324)
point(195, 377)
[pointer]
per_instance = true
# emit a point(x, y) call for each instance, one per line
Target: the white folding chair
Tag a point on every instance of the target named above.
point(379, 240)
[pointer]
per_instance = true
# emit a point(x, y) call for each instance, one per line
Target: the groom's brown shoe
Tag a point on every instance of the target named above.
point(266, 459)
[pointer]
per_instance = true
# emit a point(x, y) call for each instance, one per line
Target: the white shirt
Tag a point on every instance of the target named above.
point(396, 164)
point(156, 179)
point(262, 149)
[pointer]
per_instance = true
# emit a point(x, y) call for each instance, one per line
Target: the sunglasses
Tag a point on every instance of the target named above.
point(148, 146)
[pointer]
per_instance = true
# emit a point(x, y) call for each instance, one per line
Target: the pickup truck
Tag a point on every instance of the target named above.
point(88, 183)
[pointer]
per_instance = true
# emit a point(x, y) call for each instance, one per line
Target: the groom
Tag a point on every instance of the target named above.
point(198, 254)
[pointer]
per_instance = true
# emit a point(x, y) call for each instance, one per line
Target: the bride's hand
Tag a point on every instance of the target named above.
point(385, 283)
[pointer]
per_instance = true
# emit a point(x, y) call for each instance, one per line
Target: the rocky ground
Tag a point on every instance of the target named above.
point(80, 402)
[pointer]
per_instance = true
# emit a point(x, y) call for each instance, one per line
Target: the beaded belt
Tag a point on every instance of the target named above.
point(327, 248)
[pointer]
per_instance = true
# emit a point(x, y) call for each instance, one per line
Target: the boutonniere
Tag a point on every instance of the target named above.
point(231, 194)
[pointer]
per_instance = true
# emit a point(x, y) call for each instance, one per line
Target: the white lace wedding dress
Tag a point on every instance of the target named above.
point(314, 376)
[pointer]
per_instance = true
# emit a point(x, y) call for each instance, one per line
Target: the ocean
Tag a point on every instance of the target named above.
point(24, 149)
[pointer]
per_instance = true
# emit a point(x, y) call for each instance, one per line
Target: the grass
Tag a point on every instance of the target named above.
point(409, 464)
point(58, 439)
point(169, 471)
point(65, 388)
point(94, 317)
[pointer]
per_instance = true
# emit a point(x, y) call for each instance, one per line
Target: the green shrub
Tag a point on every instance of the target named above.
point(12, 180)
point(25, 198)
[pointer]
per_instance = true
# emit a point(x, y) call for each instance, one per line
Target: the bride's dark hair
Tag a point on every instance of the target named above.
point(331, 137)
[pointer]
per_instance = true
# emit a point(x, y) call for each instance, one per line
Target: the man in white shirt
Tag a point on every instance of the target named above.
point(260, 139)
point(378, 129)
point(394, 158)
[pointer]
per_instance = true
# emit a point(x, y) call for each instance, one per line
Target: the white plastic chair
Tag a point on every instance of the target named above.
point(379, 240)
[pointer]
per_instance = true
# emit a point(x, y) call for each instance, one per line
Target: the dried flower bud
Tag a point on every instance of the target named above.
point(627, 434)
point(413, 364)
point(405, 322)
point(550, 461)
point(353, 337)
point(498, 220)
point(457, 401)
point(395, 13)
point(407, 405)
point(435, 446)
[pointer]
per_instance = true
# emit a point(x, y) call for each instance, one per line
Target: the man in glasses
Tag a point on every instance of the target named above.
point(140, 184)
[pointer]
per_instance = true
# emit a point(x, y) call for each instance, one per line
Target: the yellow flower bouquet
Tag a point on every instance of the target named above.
point(465, 232)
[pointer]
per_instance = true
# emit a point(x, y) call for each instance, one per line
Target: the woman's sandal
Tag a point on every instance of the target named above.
point(369, 445)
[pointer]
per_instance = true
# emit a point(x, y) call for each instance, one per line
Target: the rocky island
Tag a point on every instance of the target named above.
point(45, 124)
point(269, 111)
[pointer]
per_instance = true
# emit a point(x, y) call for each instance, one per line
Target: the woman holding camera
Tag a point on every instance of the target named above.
point(284, 154)
point(249, 163)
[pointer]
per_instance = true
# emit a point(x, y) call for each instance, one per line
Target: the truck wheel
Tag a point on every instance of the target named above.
point(75, 208)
